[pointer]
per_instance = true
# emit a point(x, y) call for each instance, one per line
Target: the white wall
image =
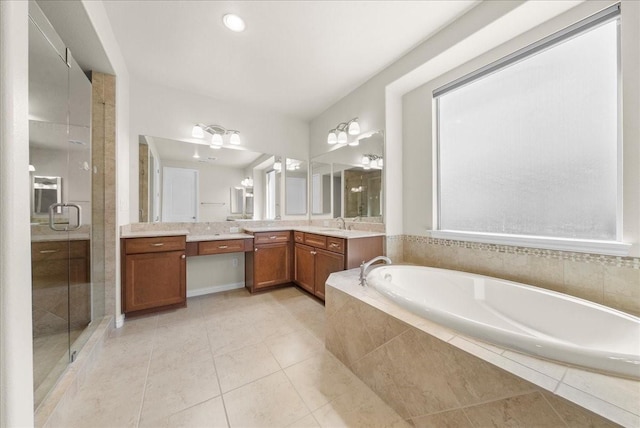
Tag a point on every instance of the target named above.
point(164, 112)
point(16, 364)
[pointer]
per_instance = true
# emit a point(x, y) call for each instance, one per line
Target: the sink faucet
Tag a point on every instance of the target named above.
point(342, 220)
point(364, 266)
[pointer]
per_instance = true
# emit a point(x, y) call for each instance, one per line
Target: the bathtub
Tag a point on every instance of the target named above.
point(520, 317)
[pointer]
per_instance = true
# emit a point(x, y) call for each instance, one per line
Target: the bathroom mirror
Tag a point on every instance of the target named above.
point(220, 187)
point(355, 178)
point(295, 188)
point(46, 191)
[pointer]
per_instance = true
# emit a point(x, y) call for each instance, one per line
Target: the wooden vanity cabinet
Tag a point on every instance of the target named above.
point(269, 264)
point(316, 259)
point(318, 256)
point(154, 275)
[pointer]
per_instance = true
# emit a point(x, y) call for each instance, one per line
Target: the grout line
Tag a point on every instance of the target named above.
point(146, 377)
point(215, 369)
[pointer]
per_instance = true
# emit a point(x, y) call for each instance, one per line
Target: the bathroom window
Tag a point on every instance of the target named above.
point(530, 145)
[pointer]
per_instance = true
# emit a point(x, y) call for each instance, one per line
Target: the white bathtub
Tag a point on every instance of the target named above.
point(520, 317)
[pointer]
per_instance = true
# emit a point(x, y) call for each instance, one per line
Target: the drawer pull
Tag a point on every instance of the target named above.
point(48, 251)
point(314, 253)
point(222, 247)
point(256, 250)
point(273, 237)
point(158, 244)
point(334, 245)
point(183, 256)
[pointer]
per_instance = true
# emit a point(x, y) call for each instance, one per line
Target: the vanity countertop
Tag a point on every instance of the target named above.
point(60, 237)
point(153, 233)
point(218, 237)
point(337, 233)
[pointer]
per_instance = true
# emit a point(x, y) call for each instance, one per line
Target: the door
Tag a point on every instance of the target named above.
point(60, 195)
point(326, 264)
point(179, 195)
point(304, 269)
point(272, 265)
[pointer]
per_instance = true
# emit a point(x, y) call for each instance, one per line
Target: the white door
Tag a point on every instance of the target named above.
point(179, 195)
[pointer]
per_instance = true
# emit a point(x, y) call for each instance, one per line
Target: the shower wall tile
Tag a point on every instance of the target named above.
point(524, 410)
point(610, 280)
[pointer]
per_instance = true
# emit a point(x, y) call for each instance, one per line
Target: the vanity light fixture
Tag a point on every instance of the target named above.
point(247, 182)
point(338, 135)
point(371, 161)
point(234, 23)
point(32, 168)
point(217, 134)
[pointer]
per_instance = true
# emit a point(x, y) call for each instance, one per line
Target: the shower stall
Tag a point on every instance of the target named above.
point(67, 229)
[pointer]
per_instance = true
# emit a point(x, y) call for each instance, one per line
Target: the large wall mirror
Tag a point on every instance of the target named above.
point(348, 181)
point(185, 182)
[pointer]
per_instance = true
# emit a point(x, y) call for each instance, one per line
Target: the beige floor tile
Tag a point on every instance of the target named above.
point(268, 402)
point(175, 386)
point(211, 413)
point(245, 365)
point(294, 347)
point(307, 422)
point(360, 408)
point(321, 379)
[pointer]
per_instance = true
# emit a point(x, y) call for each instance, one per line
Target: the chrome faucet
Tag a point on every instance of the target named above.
point(364, 266)
point(342, 220)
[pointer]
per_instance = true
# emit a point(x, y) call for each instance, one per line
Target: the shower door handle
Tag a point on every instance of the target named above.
point(54, 207)
point(78, 216)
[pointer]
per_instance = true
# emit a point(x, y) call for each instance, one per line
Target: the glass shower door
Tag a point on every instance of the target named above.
point(60, 170)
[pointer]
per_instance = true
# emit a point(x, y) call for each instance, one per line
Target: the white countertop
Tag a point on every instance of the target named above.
point(62, 236)
point(218, 237)
point(152, 233)
point(614, 398)
point(328, 231)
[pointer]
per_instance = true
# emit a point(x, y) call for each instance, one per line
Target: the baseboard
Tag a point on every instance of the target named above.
point(214, 289)
point(119, 320)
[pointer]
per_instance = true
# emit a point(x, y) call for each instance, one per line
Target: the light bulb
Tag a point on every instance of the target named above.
point(277, 165)
point(342, 137)
point(32, 168)
point(380, 163)
point(233, 22)
point(354, 127)
point(374, 163)
point(216, 140)
point(365, 160)
point(332, 138)
point(235, 138)
point(197, 132)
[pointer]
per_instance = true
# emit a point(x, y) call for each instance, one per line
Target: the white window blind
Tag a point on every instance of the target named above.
point(530, 145)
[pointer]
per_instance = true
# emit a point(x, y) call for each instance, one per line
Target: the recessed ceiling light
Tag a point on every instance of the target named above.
point(233, 22)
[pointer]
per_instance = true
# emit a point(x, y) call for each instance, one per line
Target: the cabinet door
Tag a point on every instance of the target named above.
point(154, 280)
point(272, 265)
point(327, 262)
point(304, 266)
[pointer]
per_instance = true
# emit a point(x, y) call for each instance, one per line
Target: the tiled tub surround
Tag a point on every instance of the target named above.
point(433, 376)
point(608, 280)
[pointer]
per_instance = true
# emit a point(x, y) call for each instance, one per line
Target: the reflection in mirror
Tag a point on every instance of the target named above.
point(272, 174)
point(356, 182)
point(46, 191)
point(171, 169)
point(320, 188)
point(295, 189)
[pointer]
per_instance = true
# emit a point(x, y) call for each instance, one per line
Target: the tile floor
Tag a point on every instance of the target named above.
point(228, 359)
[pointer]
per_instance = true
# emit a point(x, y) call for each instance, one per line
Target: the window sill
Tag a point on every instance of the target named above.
point(610, 248)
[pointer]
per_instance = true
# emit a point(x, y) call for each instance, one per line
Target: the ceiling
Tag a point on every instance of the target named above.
point(295, 57)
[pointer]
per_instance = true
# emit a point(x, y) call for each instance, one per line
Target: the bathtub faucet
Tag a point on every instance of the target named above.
point(364, 266)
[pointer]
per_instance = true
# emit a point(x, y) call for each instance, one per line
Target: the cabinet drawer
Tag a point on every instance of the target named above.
point(298, 237)
point(154, 245)
point(220, 247)
point(58, 250)
point(317, 241)
point(271, 237)
point(335, 244)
